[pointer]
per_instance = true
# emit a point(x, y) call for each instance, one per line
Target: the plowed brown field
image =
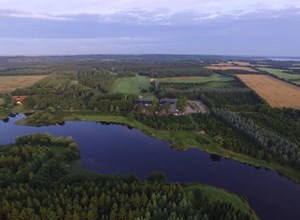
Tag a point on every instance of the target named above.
point(276, 92)
point(10, 83)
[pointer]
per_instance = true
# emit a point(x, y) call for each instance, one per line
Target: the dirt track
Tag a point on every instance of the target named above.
point(195, 107)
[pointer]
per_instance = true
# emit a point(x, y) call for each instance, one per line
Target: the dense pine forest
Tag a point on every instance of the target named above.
point(38, 181)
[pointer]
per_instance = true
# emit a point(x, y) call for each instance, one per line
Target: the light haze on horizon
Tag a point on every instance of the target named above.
point(226, 27)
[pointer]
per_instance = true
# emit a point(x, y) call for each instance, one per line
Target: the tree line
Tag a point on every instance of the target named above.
point(280, 147)
point(169, 122)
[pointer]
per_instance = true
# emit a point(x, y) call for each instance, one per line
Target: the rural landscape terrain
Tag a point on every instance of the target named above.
point(245, 109)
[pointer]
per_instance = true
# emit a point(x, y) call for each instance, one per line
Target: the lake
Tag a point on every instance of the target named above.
point(117, 149)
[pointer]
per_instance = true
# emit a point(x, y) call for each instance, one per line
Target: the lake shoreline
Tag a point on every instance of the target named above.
point(290, 173)
point(180, 140)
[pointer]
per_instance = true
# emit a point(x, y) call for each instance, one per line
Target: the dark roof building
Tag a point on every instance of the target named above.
point(167, 101)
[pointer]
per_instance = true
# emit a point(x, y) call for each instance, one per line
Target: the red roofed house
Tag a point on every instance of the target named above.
point(19, 99)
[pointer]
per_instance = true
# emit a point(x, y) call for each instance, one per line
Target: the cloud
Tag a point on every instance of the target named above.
point(71, 46)
point(129, 26)
point(154, 10)
point(22, 14)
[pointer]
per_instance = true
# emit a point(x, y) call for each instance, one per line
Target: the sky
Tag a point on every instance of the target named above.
point(213, 27)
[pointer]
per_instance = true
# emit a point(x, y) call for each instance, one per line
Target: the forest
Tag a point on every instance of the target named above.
point(38, 181)
point(166, 122)
point(285, 150)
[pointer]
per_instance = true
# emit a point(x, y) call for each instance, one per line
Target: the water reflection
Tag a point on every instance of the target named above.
point(12, 115)
point(61, 123)
point(5, 120)
point(215, 157)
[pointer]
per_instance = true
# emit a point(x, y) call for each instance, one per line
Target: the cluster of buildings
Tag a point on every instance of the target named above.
point(162, 102)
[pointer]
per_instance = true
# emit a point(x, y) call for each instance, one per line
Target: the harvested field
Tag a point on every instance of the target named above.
point(10, 83)
point(277, 93)
point(228, 67)
point(234, 65)
point(240, 63)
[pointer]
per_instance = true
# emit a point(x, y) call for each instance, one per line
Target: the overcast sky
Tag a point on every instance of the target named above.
point(229, 27)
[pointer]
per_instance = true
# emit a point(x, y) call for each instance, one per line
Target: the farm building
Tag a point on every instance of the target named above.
point(167, 101)
point(19, 99)
point(171, 102)
point(162, 102)
point(143, 102)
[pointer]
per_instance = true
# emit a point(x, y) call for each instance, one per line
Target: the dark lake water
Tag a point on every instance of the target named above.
point(112, 149)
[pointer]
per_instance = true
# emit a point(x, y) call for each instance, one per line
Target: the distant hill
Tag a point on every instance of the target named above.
point(35, 60)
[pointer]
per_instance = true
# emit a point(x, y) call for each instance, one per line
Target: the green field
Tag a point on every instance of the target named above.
point(133, 85)
point(281, 74)
point(211, 85)
point(205, 82)
point(209, 82)
point(130, 85)
point(196, 79)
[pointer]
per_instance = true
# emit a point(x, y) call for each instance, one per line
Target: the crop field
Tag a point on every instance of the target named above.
point(211, 85)
point(240, 63)
point(130, 85)
point(10, 83)
point(207, 82)
point(232, 66)
point(281, 74)
point(276, 92)
point(195, 79)
point(182, 79)
point(228, 67)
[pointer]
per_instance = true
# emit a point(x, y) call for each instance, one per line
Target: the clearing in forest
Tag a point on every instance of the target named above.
point(10, 83)
point(130, 85)
point(276, 92)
